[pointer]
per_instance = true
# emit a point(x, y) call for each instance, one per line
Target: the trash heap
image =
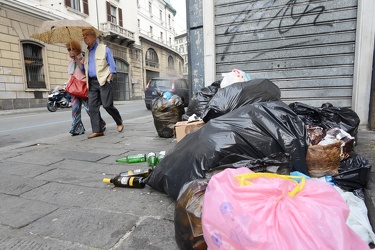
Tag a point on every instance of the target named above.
point(261, 174)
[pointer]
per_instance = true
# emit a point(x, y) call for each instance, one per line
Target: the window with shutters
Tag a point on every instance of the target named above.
point(114, 14)
point(78, 5)
point(34, 65)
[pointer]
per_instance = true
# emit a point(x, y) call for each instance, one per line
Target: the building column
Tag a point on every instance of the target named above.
point(364, 49)
point(209, 42)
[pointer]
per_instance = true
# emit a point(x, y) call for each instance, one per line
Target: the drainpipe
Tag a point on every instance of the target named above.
point(97, 14)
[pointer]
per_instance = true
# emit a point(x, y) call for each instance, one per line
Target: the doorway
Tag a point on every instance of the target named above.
point(121, 82)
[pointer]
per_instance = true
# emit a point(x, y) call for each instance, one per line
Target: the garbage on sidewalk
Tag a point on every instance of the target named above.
point(135, 178)
point(187, 216)
point(248, 128)
point(200, 99)
point(183, 128)
point(256, 130)
point(166, 111)
point(126, 181)
point(239, 94)
point(245, 210)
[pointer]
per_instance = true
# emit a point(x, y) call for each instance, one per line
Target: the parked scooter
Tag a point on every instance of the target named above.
point(58, 98)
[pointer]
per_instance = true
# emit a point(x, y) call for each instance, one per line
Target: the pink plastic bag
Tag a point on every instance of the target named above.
point(274, 212)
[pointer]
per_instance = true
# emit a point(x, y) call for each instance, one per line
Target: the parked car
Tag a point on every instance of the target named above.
point(157, 86)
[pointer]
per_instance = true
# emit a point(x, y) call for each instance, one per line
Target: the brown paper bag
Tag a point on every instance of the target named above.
point(323, 159)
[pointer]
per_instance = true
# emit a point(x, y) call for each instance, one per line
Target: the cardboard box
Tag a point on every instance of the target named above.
point(185, 127)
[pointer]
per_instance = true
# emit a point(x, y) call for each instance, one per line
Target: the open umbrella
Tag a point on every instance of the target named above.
point(62, 31)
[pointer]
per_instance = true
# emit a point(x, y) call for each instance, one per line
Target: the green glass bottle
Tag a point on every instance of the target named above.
point(161, 156)
point(151, 159)
point(134, 158)
point(126, 181)
point(137, 172)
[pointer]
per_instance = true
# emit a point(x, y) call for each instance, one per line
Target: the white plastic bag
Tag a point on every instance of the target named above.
point(235, 75)
point(357, 219)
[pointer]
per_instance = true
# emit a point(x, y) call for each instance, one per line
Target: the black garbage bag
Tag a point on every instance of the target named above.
point(309, 115)
point(188, 216)
point(239, 94)
point(328, 116)
point(257, 130)
point(343, 118)
point(354, 173)
point(166, 113)
point(198, 102)
point(278, 163)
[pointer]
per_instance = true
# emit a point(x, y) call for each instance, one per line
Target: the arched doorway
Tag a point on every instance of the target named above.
point(152, 61)
point(121, 82)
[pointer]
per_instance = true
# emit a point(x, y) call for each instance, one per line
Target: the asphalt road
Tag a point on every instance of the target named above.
point(27, 127)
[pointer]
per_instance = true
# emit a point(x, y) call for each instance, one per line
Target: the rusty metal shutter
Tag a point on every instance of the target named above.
point(305, 47)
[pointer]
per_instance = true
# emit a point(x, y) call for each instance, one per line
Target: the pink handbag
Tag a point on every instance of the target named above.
point(245, 210)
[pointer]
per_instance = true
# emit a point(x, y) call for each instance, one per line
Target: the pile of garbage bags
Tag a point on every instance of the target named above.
point(250, 130)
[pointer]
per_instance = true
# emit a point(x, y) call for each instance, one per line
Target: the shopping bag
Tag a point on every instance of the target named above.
point(76, 87)
point(244, 210)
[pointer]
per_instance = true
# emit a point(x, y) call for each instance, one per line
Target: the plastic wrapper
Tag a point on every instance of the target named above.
point(166, 113)
point(323, 159)
point(234, 76)
point(328, 116)
point(353, 173)
point(257, 130)
point(187, 216)
point(347, 141)
point(358, 219)
point(244, 210)
point(200, 100)
point(239, 94)
point(316, 134)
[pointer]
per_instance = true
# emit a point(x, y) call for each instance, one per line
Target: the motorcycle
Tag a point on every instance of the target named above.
point(58, 98)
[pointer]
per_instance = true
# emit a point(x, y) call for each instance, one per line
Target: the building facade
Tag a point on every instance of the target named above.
point(182, 48)
point(157, 38)
point(315, 51)
point(29, 69)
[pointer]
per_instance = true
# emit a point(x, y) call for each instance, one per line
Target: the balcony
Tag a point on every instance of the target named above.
point(117, 34)
point(155, 39)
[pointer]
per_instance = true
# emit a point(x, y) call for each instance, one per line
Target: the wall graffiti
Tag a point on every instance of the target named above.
point(288, 17)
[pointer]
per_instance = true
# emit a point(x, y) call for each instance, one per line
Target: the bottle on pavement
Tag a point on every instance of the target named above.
point(132, 158)
point(151, 159)
point(126, 181)
point(161, 155)
point(137, 172)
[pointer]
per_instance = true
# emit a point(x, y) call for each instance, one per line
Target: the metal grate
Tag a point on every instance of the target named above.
point(34, 66)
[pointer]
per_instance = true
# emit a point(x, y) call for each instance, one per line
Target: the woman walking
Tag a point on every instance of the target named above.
point(74, 68)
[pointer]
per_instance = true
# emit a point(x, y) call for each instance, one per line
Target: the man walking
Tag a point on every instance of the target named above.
point(100, 68)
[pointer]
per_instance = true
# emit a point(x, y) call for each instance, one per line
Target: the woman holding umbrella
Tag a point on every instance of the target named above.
point(74, 68)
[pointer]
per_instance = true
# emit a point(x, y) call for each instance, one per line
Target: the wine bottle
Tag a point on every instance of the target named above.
point(137, 172)
point(134, 158)
point(126, 181)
